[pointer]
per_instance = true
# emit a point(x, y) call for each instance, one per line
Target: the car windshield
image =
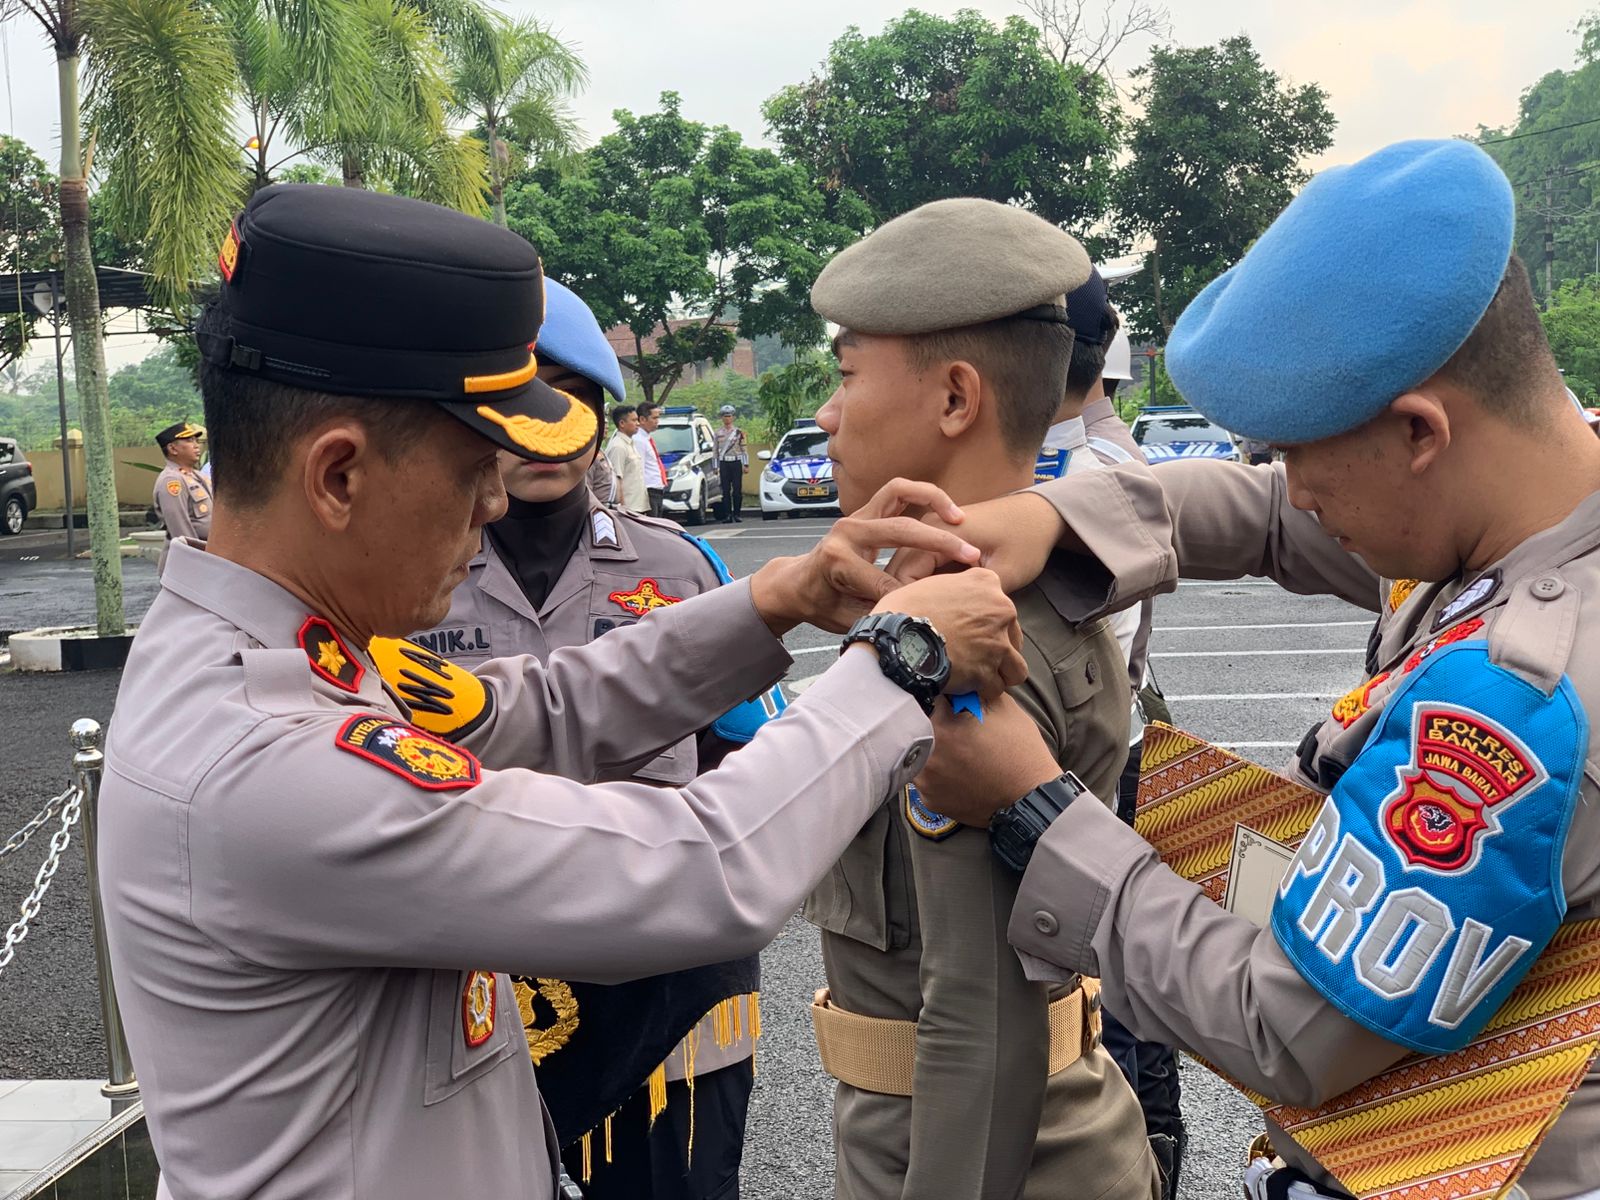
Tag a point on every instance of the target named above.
point(809, 443)
point(673, 439)
point(1154, 431)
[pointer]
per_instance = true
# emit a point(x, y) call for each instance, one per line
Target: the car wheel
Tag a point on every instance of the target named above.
point(766, 516)
point(697, 514)
point(14, 515)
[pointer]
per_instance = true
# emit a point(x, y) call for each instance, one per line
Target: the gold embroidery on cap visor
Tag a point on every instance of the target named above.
point(549, 439)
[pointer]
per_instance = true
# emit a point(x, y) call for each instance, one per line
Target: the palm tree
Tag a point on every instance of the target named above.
point(160, 86)
point(515, 83)
point(399, 137)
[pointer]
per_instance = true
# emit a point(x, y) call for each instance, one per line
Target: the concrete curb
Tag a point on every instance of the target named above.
point(67, 649)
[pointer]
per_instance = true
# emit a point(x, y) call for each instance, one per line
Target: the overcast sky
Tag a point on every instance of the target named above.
point(1393, 68)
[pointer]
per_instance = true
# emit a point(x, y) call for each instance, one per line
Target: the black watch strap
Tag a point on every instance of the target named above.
point(1016, 829)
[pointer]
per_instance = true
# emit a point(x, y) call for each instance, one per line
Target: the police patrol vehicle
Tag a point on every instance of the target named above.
point(798, 476)
point(688, 453)
point(1169, 432)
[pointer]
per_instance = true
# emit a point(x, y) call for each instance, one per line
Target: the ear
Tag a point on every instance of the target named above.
point(1425, 424)
point(962, 401)
point(337, 463)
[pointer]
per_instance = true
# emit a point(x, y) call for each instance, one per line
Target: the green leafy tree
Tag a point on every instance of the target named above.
point(935, 107)
point(710, 394)
point(1217, 152)
point(797, 390)
point(30, 234)
point(515, 84)
point(1572, 323)
point(669, 220)
point(1553, 161)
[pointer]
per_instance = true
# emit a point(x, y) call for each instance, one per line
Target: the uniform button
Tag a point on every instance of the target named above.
point(1045, 923)
point(912, 758)
point(1091, 672)
point(1549, 587)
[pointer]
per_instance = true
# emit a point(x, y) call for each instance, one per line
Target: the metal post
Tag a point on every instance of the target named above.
point(61, 403)
point(87, 765)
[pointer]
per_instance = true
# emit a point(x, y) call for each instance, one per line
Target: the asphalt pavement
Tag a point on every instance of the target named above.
point(1242, 663)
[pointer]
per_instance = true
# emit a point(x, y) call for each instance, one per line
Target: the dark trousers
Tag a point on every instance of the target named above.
point(1150, 1068)
point(732, 474)
point(657, 1162)
point(655, 495)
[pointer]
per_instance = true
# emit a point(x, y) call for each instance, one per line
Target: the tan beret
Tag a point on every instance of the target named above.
point(948, 264)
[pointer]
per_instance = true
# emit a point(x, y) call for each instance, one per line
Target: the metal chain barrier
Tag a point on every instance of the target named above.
point(19, 839)
point(70, 812)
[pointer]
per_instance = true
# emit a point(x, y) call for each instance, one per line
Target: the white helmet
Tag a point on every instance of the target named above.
point(1119, 357)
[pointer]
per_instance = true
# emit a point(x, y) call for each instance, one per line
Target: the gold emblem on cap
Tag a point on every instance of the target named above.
point(552, 439)
point(506, 379)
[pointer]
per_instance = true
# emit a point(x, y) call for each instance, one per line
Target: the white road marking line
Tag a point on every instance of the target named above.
point(1258, 696)
point(813, 650)
point(1253, 653)
point(762, 537)
point(1226, 583)
point(1257, 745)
point(1284, 625)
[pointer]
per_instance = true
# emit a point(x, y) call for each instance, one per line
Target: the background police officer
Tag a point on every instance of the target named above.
point(182, 497)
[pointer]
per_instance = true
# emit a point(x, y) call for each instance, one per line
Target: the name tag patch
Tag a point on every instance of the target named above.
point(444, 699)
point(1430, 880)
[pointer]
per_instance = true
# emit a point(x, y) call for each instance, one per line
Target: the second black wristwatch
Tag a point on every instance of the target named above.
point(910, 652)
point(1016, 829)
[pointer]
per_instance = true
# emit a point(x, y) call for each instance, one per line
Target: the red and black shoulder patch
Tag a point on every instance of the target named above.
point(420, 758)
point(330, 658)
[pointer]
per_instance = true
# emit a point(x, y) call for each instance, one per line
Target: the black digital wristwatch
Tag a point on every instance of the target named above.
point(910, 653)
point(1016, 829)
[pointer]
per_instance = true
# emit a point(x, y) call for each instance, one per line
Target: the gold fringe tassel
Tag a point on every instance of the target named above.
point(587, 1142)
point(691, 1045)
point(658, 1092)
point(608, 1141)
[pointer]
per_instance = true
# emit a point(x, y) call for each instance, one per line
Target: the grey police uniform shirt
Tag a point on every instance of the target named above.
point(182, 499)
point(305, 898)
point(1176, 967)
point(600, 589)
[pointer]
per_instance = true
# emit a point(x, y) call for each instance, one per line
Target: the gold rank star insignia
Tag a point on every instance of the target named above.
point(329, 657)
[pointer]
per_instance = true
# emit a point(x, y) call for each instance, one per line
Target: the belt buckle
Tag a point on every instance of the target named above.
point(1092, 1025)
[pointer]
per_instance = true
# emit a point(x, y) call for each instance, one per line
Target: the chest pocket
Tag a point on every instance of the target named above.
point(866, 895)
point(199, 500)
point(456, 1020)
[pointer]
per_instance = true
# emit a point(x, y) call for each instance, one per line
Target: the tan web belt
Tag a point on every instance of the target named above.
point(877, 1054)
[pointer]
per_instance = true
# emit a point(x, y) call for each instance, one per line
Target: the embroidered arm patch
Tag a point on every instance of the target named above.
point(444, 699)
point(1431, 879)
point(415, 756)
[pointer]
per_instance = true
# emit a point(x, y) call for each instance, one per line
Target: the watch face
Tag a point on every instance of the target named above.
point(918, 651)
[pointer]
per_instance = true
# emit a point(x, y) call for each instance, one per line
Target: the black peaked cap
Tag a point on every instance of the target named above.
point(358, 293)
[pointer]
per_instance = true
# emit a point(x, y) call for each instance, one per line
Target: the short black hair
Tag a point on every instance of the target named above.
point(251, 423)
point(1024, 361)
point(1089, 359)
point(645, 408)
point(620, 412)
point(1506, 351)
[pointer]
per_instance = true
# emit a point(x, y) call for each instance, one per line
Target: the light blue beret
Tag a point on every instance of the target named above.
point(572, 337)
point(1360, 290)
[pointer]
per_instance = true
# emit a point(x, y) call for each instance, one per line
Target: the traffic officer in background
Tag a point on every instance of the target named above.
point(560, 570)
point(958, 1076)
point(181, 496)
point(314, 910)
point(1463, 820)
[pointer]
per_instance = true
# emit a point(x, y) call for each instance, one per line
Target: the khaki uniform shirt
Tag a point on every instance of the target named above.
point(313, 910)
point(600, 590)
point(183, 501)
point(629, 491)
point(1178, 968)
point(914, 929)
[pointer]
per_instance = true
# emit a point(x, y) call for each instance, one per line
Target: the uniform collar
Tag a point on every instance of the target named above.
point(1067, 435)
point(268, 612)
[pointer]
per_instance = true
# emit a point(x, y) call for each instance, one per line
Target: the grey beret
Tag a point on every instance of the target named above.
point(948, 264)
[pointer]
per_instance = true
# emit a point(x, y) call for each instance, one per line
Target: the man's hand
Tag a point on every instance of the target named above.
point(838, 581)
point(978, 623)
point(978, 767)
point(1016, 534)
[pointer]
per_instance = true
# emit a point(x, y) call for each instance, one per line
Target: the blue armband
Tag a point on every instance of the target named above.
point(740, 723)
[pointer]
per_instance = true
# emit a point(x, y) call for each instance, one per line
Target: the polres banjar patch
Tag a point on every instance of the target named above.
point(1431, 878)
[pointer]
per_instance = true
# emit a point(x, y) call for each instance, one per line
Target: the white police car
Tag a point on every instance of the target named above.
point(798, 476)
point(1168, 433)
point(689, 456)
